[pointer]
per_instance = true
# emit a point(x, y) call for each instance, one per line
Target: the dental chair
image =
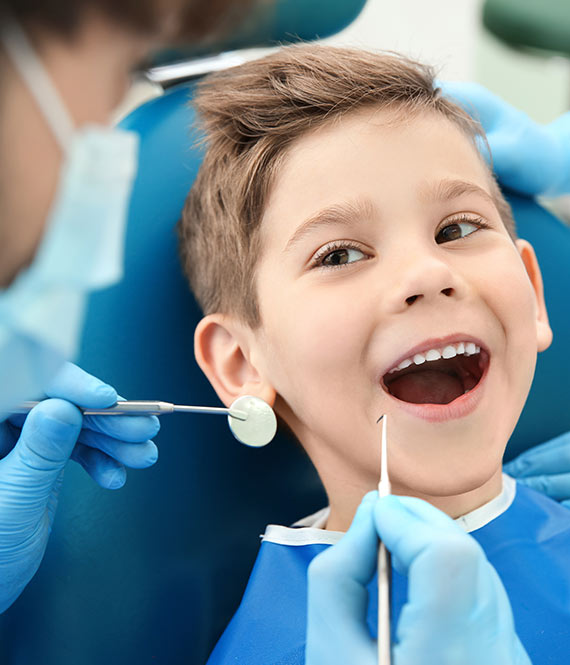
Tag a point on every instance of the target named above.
point(152, 573)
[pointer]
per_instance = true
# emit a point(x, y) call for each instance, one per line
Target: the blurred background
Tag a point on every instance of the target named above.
point(450, 35)
point(518, 49)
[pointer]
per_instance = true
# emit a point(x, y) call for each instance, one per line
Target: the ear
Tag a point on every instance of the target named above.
point(222, 350)
point(543, 330)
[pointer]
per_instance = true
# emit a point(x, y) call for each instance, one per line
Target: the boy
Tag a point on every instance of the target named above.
point(374, 270)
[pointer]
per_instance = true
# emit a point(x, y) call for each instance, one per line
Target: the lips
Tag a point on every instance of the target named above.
point(440, 378)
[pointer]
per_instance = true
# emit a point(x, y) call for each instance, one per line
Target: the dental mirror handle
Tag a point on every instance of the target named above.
point(146, 408)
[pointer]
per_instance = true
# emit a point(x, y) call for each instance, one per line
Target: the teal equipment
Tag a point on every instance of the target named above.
point(153, 574)
point(527, 24)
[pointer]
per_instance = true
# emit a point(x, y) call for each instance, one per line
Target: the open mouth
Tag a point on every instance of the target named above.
point(439, 375)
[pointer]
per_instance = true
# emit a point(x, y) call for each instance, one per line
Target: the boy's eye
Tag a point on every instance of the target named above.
point(341, 256)
point(457, 230)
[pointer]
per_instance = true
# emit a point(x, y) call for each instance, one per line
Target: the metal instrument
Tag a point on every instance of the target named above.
point(250, 419)
point(384, 568)
point(145, 408)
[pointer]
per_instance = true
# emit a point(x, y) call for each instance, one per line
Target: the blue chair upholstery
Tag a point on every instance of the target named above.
point(151, 573)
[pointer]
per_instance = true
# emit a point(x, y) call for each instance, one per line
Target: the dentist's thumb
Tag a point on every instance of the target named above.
point(29, 473)
point(457, 609)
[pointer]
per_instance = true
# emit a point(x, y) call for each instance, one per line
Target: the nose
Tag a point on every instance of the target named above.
point(428, 279)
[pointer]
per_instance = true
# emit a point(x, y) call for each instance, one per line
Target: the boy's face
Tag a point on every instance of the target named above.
point(381, 243)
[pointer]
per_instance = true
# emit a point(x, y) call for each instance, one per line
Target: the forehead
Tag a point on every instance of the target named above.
point(370, 155)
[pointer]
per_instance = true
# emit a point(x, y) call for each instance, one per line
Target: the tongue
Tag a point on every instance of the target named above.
point(427, 387)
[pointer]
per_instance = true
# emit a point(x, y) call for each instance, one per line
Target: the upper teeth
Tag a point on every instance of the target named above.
point(449, 351)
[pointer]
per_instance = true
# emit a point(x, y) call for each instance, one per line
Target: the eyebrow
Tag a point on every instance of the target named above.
point(347, 213)
point(339, 214)
point(449, 189)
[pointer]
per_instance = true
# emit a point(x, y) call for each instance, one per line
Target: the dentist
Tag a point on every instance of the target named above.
point(65, 182)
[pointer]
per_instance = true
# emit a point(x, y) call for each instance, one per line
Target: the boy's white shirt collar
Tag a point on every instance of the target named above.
point(310, 530)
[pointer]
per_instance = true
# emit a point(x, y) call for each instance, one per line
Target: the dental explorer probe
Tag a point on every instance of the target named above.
point(250, 419)
point(384, 567)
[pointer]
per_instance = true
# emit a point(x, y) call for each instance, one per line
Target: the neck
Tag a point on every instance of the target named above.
point(344, 499)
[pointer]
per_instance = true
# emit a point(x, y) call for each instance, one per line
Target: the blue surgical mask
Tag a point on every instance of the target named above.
point(42, 311)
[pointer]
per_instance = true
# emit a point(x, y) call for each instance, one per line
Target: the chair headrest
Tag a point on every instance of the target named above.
point(271, 23)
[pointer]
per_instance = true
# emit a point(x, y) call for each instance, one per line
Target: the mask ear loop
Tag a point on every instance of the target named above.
point(33, 73)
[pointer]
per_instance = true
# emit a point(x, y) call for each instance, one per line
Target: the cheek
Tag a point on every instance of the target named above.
point(512, 299)
point(314, 344)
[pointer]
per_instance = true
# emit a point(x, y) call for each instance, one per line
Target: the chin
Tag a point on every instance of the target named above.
point(453, 475)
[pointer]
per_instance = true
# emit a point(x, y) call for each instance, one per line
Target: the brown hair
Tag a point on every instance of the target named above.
point(196, 19)
point(250, 116)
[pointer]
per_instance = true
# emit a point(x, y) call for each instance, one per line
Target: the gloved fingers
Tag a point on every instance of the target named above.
point(75, 385)
point(408, 526)
point(54, 497)
point(443, 629)
point(44, 446)
point(138, 455)
point(354, 556)
point(337, 595)
point(338, 576)
point(551, 457)
point(506, 158)
point(566, 503)
point(134, 429)
point(514, 147)
point(87, 391)
point(562, 124)
point(559, 131)
point(121, 429)
point(447, 569)
point(481, 104)
point(556, 486)
point(104, 470)
point(457, 610)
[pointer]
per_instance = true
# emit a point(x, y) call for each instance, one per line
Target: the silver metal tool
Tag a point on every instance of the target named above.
point(145, 408)
point(251, 420)
point(384, 567)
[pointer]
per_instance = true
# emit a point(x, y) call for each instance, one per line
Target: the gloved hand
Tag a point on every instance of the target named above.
point(457, 609)
point(545, 468)
point(528, 157)
point(33, 453)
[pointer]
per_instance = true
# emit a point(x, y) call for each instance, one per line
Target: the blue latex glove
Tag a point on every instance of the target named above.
point(528, 157)
point(545, 468)
point(457, 609)
point(33, 453)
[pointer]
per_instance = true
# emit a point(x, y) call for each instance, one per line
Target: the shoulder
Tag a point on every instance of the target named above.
point(531, 522)
point(541, 512)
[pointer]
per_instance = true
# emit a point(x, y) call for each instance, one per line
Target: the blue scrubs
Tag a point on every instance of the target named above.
point(528, 543)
